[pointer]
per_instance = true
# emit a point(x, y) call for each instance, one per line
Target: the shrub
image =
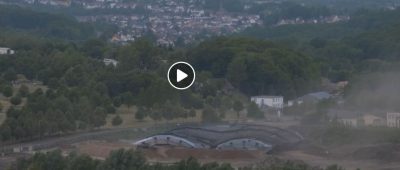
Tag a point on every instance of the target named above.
point(117, 120)
point(7, 91)
point(16, 100)
point(23, 91)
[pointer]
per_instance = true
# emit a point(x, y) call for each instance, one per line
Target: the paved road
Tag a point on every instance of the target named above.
point(52, 142)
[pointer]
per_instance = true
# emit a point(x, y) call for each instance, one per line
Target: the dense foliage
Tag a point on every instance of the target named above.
point(118, 160)
point(133, 160)
point(367, 42)
point(257, 67)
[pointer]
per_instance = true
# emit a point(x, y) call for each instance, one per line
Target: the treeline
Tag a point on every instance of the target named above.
point(117, 160)
point(21, 20)
point(134, 160)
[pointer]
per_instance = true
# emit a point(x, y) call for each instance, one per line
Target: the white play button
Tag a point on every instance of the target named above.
point(180, 75)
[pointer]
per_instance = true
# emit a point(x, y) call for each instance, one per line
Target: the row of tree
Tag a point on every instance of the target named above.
point(134, 160)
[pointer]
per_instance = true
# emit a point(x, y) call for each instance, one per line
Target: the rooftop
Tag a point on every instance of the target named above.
point(266, 96)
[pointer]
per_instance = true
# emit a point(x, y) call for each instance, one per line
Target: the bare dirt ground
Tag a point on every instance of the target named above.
point(169, 154)
point(99, 149)
point(234, 157)
point(350, 157)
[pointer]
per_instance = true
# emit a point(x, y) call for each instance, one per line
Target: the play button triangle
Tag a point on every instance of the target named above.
point(180, 75)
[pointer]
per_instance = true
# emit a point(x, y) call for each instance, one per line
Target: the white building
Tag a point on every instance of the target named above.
point(269, 103)
point(4, 51)
point(275, 102)
point(393, 120)
point(108, 61)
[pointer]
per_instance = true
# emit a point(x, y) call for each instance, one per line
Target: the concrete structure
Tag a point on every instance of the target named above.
point(345, 117)
point(230, 137)
point(271, 104)
point(356, 119)
point(4, 51)
point(108, 61)
point(351, 122)
point(393, 119)
point(372, 120)
point(364, 120)
point(263, 102)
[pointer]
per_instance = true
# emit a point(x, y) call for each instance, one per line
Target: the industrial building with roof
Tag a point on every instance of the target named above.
point(229, 137)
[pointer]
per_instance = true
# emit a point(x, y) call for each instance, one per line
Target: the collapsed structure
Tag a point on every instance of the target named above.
point(243, 137)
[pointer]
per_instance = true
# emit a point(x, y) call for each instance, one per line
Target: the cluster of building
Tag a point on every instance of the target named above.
point(171, 22)
point(275, 104)
point(350, 118)
point(49, 2)
point(327, 19)
point(168, 21)
point(363, 119)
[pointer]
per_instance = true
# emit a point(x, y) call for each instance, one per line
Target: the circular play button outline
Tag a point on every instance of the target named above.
point(187, 86)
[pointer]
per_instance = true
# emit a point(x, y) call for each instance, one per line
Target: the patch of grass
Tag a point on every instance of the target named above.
point(32, 86)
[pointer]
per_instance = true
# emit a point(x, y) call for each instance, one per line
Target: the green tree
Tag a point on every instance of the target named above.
point(238, 107)
point(156, 115)
point(7, 91)
point(81, 162)
point(98, 118)
point(23, 91)
point(124, 160)
point(117, 120)
point(117, 101)
point(253, 111)
point(128, 99)
point(16, 100)
point(10, 75)
point(237, 71)
point(209, 115)
point(140, 114)
point(110, 109)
